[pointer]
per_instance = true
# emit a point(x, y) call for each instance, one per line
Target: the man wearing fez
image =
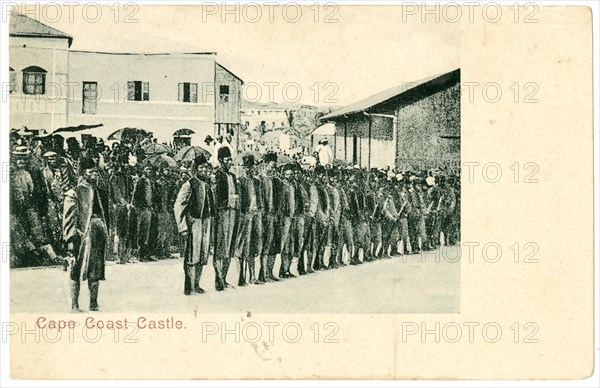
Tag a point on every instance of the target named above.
point(322, 217)
point(249, 215)
point(297, 233)
point(145, 201)
point(269, 213)
point(85, 220)
point(28, 206)
point(193, 209)
point(120, 186)
point(287, 211)
point(227, 203)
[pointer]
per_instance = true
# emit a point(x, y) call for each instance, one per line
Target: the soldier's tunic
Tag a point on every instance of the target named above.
point(248, 215)
point(53, 216)
point(226, 203)
point(390, 216)
point(287, 212)
point(29, 203)
point(336, 213)
point(85, 220)
point(194, 209)
point(120, 188)
point(297, 233)
point(322, 218)
point(167, 236)
point(144, 201)
point(346, 233)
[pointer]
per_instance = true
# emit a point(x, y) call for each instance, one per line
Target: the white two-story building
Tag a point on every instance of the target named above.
point(53, 86)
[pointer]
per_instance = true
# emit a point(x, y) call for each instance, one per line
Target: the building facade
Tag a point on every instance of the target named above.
point(415, 125)
point(53, 86)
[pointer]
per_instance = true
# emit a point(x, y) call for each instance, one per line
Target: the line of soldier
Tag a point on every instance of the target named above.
point(291, 211)
point(300, 214)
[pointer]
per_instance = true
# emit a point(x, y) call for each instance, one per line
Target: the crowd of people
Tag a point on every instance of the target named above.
point(83, 204)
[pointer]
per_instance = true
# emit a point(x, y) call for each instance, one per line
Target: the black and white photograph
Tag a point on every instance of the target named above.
point(160, 182)
point(261, 194)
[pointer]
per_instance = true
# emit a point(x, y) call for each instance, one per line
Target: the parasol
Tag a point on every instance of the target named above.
point(183, 132)
point(155, 149)
point(127, 132)
point(161, 160)
point(190, 153)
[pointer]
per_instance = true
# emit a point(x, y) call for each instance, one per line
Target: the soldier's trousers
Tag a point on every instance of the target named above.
point(346, 237)
point(222, 257)
point(268, 234)
point(362, 238)
point(389, 237)
point(308, 246)
point(376, 237)
point(322, 240)
point(286, 252)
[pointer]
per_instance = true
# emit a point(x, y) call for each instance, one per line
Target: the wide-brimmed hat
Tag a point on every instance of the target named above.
point(21, 151)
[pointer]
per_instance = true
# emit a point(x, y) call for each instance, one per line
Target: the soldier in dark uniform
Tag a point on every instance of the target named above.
point(322, 217)
point(287, 211)
point(226, 203)
point(335, 217)
point(358, 218)
point(29, 205)
point(85, 221)
point(414, 217)
point(346, 237)
point(144, 201)
point(298, 223)
point(310, 224)
point(249, 214)
point(194, 210)
point(269, 214)
point(120, 187)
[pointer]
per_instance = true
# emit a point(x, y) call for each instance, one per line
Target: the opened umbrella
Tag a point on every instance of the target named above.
point(183, 132)
point(155, 149)
point(190, 153)
point(161, 160)
point(127, 132)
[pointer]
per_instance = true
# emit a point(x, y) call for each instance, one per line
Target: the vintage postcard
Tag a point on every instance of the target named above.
point(299, 190)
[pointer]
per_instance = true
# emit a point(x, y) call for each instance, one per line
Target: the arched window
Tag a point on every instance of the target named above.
point(34, 80)
point(12, 81)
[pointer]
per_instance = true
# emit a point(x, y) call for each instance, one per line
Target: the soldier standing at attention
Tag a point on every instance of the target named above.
point(227, 203)
point(193, 209)
point(85, 220)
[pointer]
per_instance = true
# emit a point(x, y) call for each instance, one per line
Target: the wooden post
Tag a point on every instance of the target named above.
point(345, 140)
point(369, 159)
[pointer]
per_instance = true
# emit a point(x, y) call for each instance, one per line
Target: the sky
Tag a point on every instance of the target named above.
point(332, 55)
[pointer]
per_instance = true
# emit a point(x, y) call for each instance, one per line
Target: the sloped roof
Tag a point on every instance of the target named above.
point(21, 25)
point(327, 129)
point(384, 96)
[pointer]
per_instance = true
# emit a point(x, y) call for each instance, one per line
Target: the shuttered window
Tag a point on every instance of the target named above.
point(138, 91)
point(34, 80)
point(188, 92)
point(90, 97)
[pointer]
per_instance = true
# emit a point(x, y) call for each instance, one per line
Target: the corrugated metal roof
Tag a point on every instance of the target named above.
point(21, 25)
point(381, 97)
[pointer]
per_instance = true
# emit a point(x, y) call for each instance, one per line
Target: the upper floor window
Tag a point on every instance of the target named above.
point(90, 98)
point(188, 92)
point(34, 80)
point(224, 92)
point(12, 86)
point(138, 91)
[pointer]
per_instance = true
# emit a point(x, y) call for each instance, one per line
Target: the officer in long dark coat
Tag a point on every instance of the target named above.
point(194, 209)
point(85, 220)
point(226, 203)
